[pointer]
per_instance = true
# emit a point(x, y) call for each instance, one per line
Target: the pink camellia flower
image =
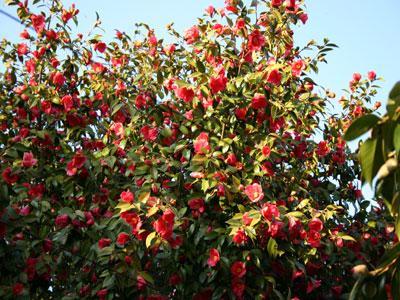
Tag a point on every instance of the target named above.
point(297, 67)
point(254, 192)
point(191, 35)
point(184, 93)
point(75, 164)
point(256, 41)
point(238, 269)
point(210, 10)
point(214, 257)
point(259, 101)
point(274, 77)
point(165, 224)
point(127, 196)
point(371, 75)
point(270, 211)
point(170, 49)
point(122, 238)
point(201, 144)
point(28, 160)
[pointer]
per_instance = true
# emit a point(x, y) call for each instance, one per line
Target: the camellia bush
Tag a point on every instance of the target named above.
point(211, 167)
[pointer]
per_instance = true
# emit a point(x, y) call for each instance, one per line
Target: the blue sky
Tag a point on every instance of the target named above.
point(367, 31)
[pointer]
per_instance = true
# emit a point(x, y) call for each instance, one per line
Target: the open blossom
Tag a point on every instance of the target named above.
point(323, 149)
point(276, 3)
point(371, 75)
point(165, 224)
point(254, 192)
point(184, 93)
point(28, 160)
point(297, 67)
point(62, 220)
point(122, 238)
point(259, 101)
point(38, 22)
point(218, 84)
point(214, 257)
point(9, 177)
point(127, 196)
point(58, 79)
point(75, 164)
point(238, 269)
point(201, 144)
point(316, 224)
point(270, 211)
point(240, 237)
point(22, 49)
point(274, 77)
point(192, 34)
point(197, 205)
point(100, 47)
point(256, 41)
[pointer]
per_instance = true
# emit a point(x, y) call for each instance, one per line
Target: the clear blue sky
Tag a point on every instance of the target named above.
point(367, 31)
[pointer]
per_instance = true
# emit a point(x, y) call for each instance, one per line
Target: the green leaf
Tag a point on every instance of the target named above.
point(272, 248)
point(394, 100)
point(361, 126)
point(371, 158)
point(124, 206)
point(396, 138)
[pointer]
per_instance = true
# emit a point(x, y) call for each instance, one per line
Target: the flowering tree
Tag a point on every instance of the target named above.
point(207, 168)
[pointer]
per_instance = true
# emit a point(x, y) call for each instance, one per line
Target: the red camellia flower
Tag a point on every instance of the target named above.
point(22, 49)
point(270, 211)
point(315, 224)
point(75, 164)
point(238, 287)
point(314, 238)
point(256, 41)
point(58, 79)
point(127, 196)
point(184, 93)
point(9, 177)
point(276, 3)
point(122, 238)
point(266, 151)
point(38, 22)
point(297, 67)
point(357, 77)
point(192, 34)
point(62, 220)
point(218, 84)
point(254, 192)
point(197, 206)
point(274, 77)
point(68, 102)
point(100, 47)
point(28, 160)
point(240, 113)
point(238, 269)
point(102, 294)
point(323, 149)
point(214, 257)
point(201, 144)
point(18, 289)
point(371, 75)
point(259, 101)
point(240, 237)
point(104, 242)
point(164, 225)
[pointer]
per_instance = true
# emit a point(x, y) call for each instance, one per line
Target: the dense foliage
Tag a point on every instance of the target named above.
point(209, 168)
point(379, 157)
